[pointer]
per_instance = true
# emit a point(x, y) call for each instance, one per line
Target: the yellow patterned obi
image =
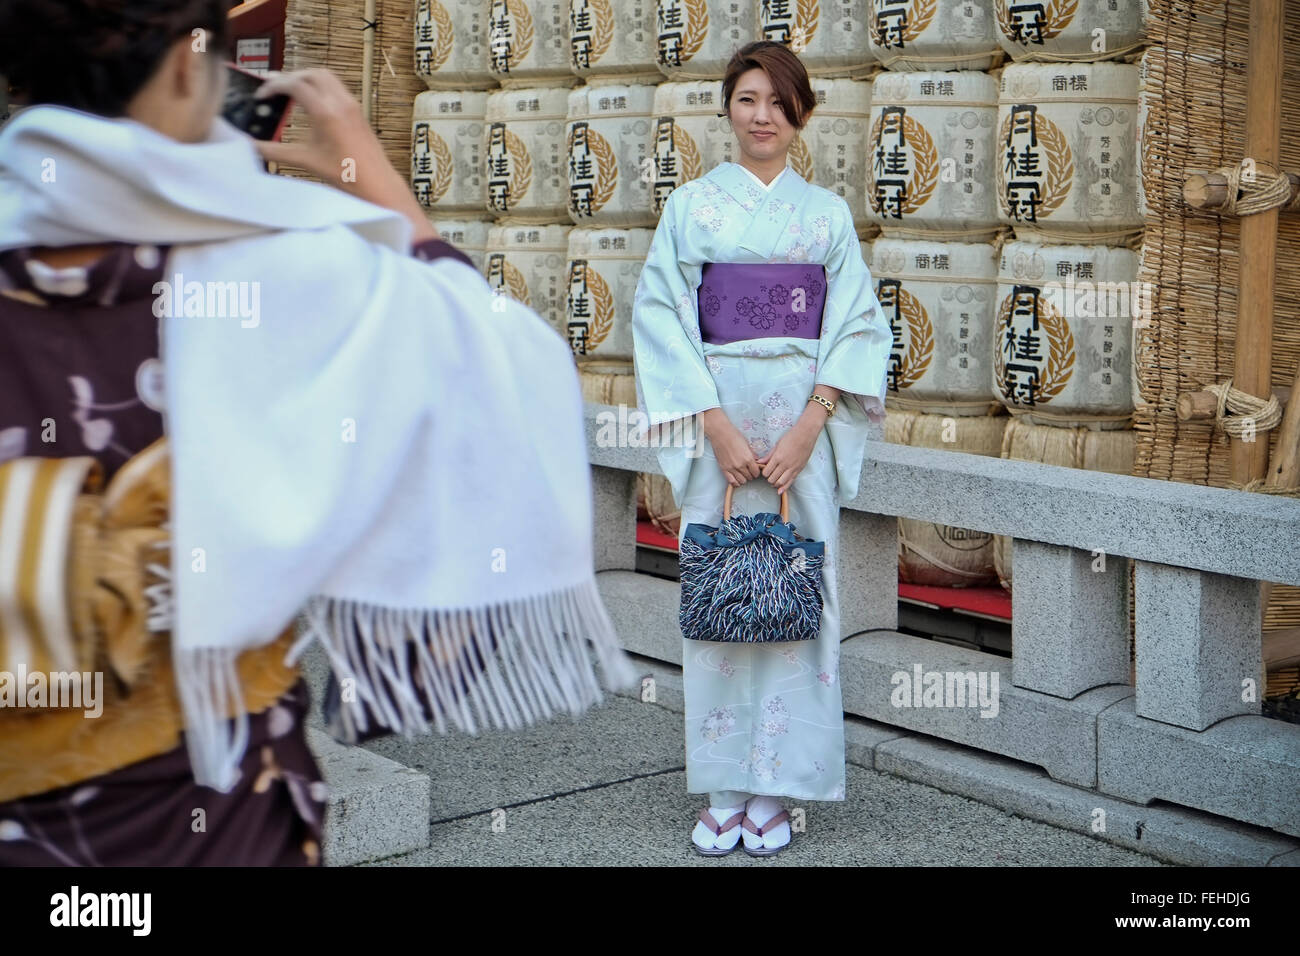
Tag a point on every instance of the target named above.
point(86, 681)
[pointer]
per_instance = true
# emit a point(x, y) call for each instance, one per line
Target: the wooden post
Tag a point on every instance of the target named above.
point(1257, 267)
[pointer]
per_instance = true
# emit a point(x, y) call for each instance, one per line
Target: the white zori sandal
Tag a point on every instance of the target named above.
point(767, 839)
point(711, 838)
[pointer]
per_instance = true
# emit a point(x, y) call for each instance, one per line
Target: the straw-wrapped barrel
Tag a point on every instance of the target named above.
point(829, 36)
point(933, 35)
point(939, 298)
point(451, 45)
point(688, 136)
point(610, 166)
point(613, 40)
point(1070, 30)
point(931, 146)
point(602, 269)
point(526, 262)
point(697, 38)
point(447, 168)
point(1067, 145)
point(1064, 331)
point(528, 43)
point(526, 164)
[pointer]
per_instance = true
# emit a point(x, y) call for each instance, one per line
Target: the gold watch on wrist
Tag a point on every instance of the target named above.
point(826, 403)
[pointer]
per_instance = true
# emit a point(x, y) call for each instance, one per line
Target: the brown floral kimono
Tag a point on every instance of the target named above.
point(80, 379)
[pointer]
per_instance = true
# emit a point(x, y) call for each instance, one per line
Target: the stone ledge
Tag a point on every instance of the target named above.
point(377, 807)
point(644, 611)
point(1246, 768)
point(1209, 529)
point(1058, 735)
point(1176, 835)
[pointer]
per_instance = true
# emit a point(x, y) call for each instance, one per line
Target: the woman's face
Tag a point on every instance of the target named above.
point(761, 126)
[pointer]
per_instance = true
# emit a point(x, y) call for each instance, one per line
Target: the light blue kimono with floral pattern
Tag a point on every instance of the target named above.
point(763, 719)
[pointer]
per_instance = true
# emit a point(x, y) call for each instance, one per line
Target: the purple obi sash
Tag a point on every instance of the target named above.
point(754, 300)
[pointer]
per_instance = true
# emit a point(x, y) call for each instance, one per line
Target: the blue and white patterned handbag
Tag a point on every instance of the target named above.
point(752, 579)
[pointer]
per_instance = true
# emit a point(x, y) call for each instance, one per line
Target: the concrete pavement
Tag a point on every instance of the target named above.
point(610, 789)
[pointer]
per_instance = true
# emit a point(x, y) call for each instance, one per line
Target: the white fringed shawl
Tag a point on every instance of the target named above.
point(390, 448)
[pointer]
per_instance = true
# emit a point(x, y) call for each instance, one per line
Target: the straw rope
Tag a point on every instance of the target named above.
point(994, 55)
point(1127, 238)
point(979, 408)
point(1071, 418)
point(940, 235)
point(1131, 52)
point(1268, 188)
point(1257, 484)
point(1263, 414)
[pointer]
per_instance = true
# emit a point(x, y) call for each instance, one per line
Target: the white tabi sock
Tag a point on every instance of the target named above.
point(761, 809)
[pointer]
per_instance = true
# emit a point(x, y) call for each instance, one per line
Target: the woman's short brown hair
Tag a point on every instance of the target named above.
point(785, 72)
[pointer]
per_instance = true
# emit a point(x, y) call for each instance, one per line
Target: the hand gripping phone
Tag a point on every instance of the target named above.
point(261, 119)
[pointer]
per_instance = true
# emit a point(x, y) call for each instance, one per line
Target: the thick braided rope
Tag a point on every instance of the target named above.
point(1265, 413)
point(1268, 188)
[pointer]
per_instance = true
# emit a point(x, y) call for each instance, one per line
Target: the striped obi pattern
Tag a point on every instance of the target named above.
point(754, 300)
point(39, 499)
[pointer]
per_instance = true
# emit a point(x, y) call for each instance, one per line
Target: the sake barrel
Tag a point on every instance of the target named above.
point(655, 494)
point(828, 36)
point(697, 38)
point(1067, 169)
point(932, 34)
point(447, 168)
point(524, 155)
point(1071, 30)
point(1064, 333)
point(611, 171)
point(938, 554)
point(939, 300)
point(609, 387)
point(601, 271)
point(528, 43)
point(526, 262)
point(451, 45)
point(613, 40)
point(470, 236)
point(931, 155)
point(1079, 447)
point(689, 138)
point(828, 150)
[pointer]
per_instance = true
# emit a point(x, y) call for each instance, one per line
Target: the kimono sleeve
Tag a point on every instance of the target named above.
point(853, 354)
point(673, 380)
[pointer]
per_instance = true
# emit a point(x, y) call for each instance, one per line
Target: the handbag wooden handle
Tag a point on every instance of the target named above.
point(726, 504)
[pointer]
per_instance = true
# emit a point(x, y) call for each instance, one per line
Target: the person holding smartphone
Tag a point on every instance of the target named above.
point(230, 400)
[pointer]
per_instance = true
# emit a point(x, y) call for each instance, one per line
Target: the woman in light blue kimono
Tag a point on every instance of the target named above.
point(738, 353)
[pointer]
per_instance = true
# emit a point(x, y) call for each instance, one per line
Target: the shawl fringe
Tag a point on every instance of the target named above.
point(502, 666)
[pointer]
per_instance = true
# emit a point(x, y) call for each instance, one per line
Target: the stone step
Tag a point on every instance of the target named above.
point(377, 807)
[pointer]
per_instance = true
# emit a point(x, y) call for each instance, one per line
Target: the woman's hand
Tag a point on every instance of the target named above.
point(793, 449)
point(735, 457)
point(343, 150)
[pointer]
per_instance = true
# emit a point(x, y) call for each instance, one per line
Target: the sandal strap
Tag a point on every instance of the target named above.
point(767, 827)
point(733, 821)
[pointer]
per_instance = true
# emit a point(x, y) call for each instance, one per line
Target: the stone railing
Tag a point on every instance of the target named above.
point(1189, 730)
